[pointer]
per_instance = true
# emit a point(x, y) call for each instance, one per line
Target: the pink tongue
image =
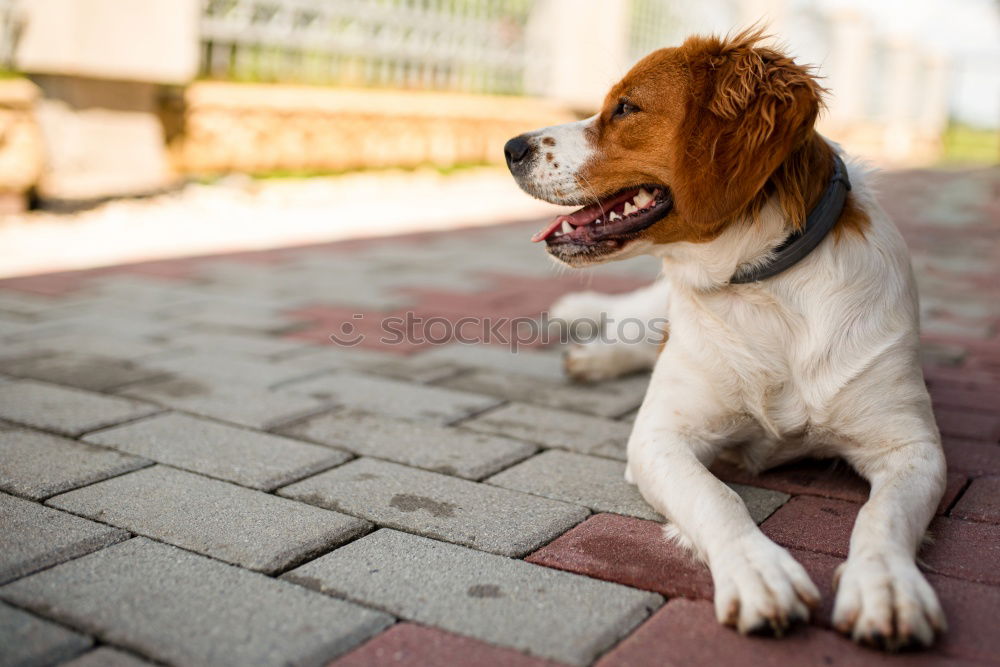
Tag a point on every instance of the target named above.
point(543, 234)
point(579, 218)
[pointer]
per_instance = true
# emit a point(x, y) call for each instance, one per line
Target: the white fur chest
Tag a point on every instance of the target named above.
point(752, 352)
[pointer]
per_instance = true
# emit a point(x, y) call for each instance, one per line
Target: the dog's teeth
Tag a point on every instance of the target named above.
point(557, 233)
point(643, 198)
point(566, 227)
point(614, 216)
point(599, 221)
point(630, 208)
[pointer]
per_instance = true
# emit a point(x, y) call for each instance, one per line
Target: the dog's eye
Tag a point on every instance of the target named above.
point(624, 108)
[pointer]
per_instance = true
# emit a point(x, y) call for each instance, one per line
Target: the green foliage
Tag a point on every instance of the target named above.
point(964, 144)
point(294, 174)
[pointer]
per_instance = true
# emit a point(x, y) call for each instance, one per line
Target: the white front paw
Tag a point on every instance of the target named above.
point(885, 602)
point(759, 587)
point(580, 313)
point(593, 362)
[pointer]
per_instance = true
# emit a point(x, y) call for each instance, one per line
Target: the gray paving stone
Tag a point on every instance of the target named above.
point(229, 401)
point(392, 397)
point(600, 484)
point(36, 536)
point(37, 465)
point(546, 612)
point(181, 608)
point(85, 371)
point(120, 319)
point(610, 399)
point(447, 508)
point(65, 410)
point(105, 656)
point(248, 528)
point(761, 503)
point(354, 292)
point(105, 344)
point(590, 481)
point(223, 313)
point(144, 293)
point(23, 303)
point(450, 451)
point(547, 364)
point(11, 326)
point(232, 453)
point(629, 417)
point(235, 344)
point(412, 369)
point(222, 370)
point(27, 641)
point(317, 358)
point(555, 428)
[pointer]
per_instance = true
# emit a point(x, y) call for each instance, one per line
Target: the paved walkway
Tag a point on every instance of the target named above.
point(191, 476)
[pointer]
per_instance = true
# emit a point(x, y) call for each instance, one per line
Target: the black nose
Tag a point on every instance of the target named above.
point(516, 150)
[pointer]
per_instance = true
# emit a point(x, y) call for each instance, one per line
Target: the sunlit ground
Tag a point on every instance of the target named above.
point(240, 213)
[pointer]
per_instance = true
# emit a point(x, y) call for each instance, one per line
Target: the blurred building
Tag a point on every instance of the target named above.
point(130, 96)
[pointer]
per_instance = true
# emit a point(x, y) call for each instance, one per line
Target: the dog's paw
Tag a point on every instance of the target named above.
point(594, 362)
point(580, 313)
point(885, 602)
point(760, 588)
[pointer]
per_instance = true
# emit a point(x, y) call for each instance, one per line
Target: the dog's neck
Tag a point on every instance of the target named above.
point(799, 182)
point(750, 241)
point(822, 218)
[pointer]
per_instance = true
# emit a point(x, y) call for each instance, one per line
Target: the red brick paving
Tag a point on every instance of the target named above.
point(972, 457)
point(971, 425)
point(435, 312)
point(685, 632)
point(981, 501)
point(634, 552)
point(965, 550)
point(628, 551)
point(949, 394)
point(411, 645)
point(829, 479)
point(961, 549)
point(975, 379)
point(816, 522)
point(972, 611)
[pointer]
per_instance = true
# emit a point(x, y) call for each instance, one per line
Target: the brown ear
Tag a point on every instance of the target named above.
point(749, 108)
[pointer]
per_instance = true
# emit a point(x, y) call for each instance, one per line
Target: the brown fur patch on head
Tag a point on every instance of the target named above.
point(750, 108)
point(725, 123)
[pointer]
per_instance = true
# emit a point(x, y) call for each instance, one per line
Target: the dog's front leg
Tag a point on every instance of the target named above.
point(627, 331)
point(882, 598)
point(758, 585)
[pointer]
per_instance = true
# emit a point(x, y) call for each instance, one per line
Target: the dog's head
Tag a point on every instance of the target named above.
point(683, 146)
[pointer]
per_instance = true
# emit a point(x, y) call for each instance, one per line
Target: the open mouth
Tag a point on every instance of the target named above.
point(611, 221)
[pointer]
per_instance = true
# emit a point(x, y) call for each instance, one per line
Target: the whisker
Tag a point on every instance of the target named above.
point(593, 193)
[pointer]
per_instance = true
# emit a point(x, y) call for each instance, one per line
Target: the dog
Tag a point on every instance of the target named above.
point(793, 322)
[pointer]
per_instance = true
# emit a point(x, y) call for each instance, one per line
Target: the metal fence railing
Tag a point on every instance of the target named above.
point(464, 45)
point(652, 25)
point(10, 28)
